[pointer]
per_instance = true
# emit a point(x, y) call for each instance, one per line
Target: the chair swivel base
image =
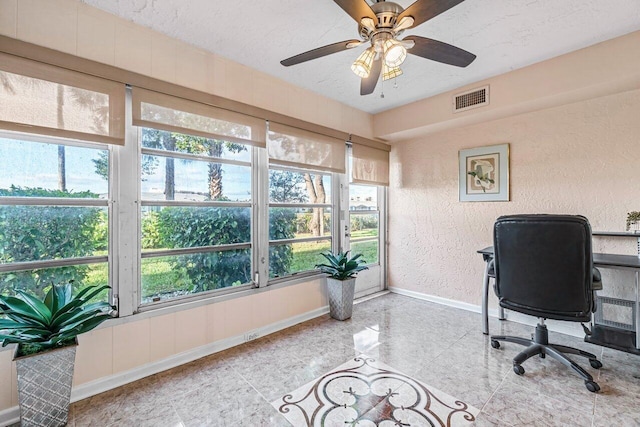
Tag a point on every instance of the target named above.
point(539, 345)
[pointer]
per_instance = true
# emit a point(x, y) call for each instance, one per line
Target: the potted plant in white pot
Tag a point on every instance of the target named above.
point(46, 332)
point(341, 282)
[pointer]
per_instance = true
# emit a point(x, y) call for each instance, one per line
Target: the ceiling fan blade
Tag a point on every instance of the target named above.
point(320, 52)
point(440, 51)
point(357, 9)
point(423, 10)
point(368, 85)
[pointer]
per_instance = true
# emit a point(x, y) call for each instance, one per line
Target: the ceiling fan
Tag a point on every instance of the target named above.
point(380, 25)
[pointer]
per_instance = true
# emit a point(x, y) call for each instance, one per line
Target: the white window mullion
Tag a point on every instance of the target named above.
point(261, 216)
point(340, 222)
point(343, 232)
point(383, 236)
point(126, 172)
point(113, 248)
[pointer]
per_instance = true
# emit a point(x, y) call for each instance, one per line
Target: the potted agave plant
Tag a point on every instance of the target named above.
point(341, 282)
point(46, 332)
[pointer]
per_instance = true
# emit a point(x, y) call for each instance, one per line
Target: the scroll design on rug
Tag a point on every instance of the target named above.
point(374, 394)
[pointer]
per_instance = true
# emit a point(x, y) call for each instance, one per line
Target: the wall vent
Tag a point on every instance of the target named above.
point(473, 98)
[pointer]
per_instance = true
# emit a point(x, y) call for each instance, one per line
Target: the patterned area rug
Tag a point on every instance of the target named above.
point(364, 393)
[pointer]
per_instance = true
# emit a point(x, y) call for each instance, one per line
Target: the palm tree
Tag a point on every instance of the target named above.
point(213, 148)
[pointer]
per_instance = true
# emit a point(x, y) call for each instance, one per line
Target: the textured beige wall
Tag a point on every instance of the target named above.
point(580, 158)
point(608, 67)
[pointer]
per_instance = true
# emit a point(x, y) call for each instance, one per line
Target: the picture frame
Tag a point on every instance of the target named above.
point(484, 174)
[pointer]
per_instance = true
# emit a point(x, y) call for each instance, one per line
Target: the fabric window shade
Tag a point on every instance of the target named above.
point(369, 165)
point(173, 114)
point(48, 100)
point(289, 146)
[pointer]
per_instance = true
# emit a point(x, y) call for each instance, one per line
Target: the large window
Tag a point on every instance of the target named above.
point(167, 197)
point(196, 215)
point(54, 214)
point(300, 223)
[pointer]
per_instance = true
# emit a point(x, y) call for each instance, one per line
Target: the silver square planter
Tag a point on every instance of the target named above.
point(341, 297)
point(44, 386)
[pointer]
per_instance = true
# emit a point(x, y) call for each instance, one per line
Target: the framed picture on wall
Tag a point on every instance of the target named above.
point(484, 174)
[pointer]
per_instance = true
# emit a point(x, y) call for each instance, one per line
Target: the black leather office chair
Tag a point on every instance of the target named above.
point(544, 268)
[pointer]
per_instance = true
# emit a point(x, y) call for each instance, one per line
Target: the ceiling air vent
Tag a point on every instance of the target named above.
point(473, 98)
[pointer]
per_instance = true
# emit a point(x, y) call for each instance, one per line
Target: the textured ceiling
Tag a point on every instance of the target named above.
point(504, 34)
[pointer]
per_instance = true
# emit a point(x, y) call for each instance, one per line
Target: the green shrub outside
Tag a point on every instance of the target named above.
point(101, 232)
point(303, 222)
point(31, 233)
point(151, 238)
point(362, 222)
point(183, 227)
point(358, 222)
point(282, 225)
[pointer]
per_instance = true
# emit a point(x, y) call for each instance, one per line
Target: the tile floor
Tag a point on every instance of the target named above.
point(436, 346)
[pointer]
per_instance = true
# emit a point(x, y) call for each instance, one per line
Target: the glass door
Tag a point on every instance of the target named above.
point(366, 235)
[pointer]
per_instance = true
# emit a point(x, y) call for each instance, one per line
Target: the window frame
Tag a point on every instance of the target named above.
point(251, 245)
point(335, 226)
point(124, 185)
point(107, 203)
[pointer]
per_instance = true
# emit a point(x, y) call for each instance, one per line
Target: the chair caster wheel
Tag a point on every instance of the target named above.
point(595, 364)
point(519, 370)
point(495, 344)
point(542, 355)
point(592, 386)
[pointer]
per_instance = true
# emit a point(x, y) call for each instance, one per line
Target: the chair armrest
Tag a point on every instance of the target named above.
point(597, 280)
point(492, 269)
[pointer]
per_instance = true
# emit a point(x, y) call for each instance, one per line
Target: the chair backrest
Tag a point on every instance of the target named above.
point(544, 265)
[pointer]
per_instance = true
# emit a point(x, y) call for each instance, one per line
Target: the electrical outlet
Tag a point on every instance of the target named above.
point(251, 336)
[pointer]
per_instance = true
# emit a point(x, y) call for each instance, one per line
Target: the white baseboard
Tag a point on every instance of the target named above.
point(569, 328)
point(12, 415)
point(9, 416)
point(439, 300)
point(369, 297)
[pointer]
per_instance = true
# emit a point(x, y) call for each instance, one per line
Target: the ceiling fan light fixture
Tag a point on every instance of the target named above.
point(362, 66)
point(394, 53)
point(353, 44)
point(390, 73)
point(404, 23)
point(408, 44)
point(380, 25)
point(368, 23)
